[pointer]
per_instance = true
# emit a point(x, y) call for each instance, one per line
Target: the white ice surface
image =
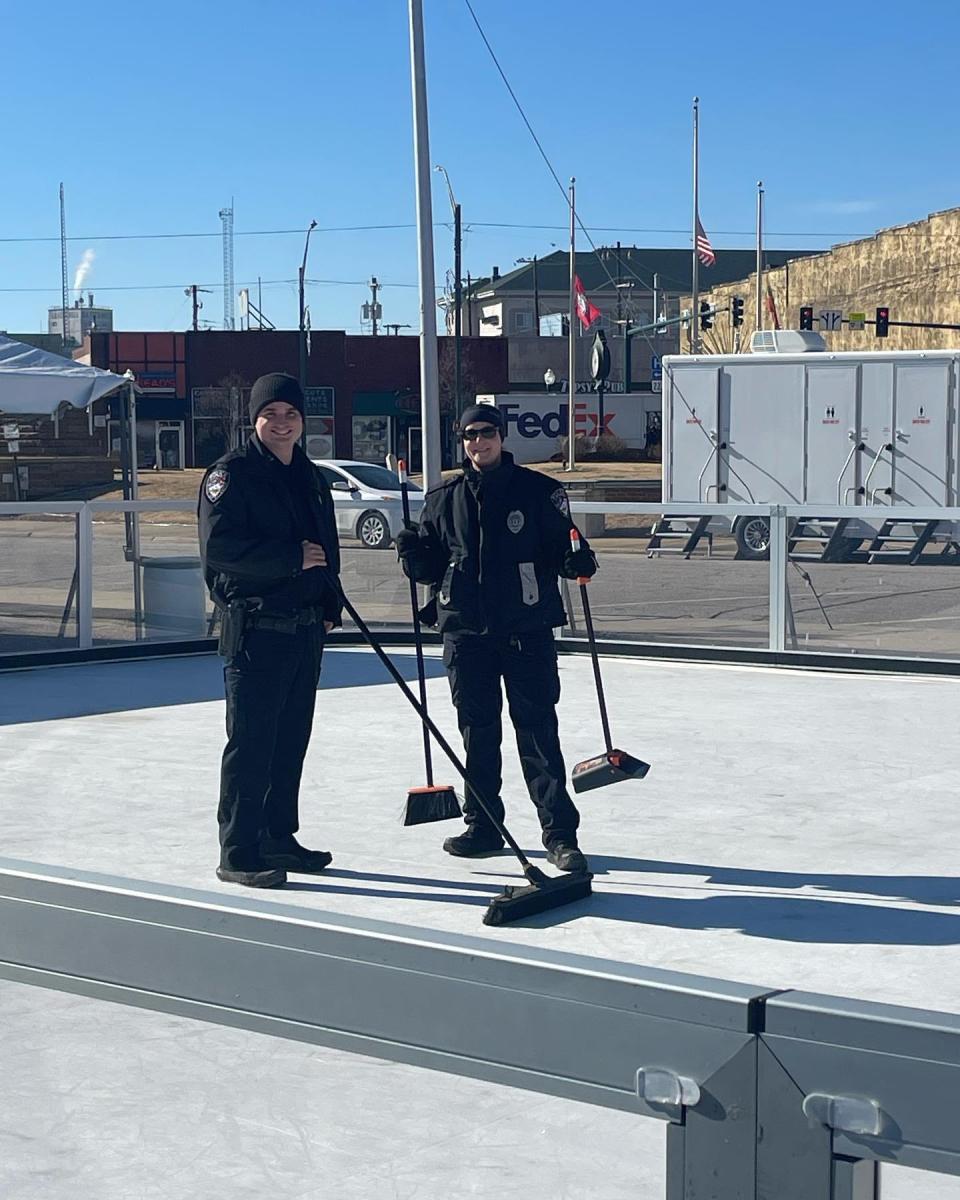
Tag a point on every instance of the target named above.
point(796, 830)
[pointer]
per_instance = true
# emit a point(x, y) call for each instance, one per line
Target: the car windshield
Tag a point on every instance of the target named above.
point(373, 476)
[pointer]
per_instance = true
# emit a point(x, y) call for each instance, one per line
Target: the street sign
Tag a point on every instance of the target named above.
point(656, 369)
point(830, 319)
point(856, 320)
point(656, 385)
point(11, 431)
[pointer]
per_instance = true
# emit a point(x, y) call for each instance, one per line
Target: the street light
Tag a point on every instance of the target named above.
point(302, 325)
point(457, 290)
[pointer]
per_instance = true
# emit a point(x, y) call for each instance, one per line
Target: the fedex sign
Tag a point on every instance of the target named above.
point(535, 422)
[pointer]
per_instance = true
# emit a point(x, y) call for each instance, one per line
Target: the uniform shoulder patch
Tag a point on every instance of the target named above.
point(217, 483)
point(558, 497)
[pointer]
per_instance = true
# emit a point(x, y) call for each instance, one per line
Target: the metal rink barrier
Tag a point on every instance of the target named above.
point(768, 1095)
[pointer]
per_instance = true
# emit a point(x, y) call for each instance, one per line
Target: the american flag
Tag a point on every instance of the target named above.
point(704, 249)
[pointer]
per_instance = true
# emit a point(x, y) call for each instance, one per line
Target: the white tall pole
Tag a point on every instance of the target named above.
point(571, 340)
point(695, 299)
point(759, 254)
point(429, 382)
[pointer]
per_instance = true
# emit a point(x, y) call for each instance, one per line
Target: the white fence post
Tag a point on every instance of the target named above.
point(778, 576)
point(85, 578)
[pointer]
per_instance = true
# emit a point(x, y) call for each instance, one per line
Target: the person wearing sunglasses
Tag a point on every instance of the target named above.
point(491, 543)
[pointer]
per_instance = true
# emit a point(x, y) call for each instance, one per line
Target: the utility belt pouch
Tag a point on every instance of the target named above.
point(233, 623)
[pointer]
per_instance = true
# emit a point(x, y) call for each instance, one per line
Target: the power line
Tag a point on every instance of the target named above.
point(521, 225)
point(155, 287)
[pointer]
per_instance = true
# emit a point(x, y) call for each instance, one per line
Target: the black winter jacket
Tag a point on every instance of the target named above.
point(491, 545)
point(252, 517)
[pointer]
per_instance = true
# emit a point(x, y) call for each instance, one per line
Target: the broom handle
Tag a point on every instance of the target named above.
point(588, 619)
point(415, 606)
point(428, 723)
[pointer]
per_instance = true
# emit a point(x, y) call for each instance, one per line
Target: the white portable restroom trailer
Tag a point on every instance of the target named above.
point(872, 428)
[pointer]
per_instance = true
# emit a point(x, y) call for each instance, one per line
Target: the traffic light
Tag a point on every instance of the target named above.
point(806, 317)
point(736, 311)
point(706, 315)
point(883, 322)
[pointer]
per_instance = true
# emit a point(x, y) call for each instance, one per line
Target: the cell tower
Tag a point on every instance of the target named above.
point(226, 217)
point(63, 267)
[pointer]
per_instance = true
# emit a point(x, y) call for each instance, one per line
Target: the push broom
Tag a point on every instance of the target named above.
point(543, 892)
point(435, 802)
point(613, 766)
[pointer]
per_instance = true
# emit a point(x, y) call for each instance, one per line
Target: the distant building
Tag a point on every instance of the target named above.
point(622, 281)
point(82, 319)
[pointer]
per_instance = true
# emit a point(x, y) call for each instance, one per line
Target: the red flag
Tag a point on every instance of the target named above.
point(586, 311)
point(772, 308)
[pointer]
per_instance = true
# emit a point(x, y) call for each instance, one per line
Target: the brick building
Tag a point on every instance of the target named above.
point(914, 270)
point(363, 393)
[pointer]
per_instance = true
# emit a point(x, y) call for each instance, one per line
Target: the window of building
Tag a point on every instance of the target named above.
point(522, 321)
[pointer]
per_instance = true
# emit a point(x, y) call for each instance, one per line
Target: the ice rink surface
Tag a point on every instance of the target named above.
point(797, 829)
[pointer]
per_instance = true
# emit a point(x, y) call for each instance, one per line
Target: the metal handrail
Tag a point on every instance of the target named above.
point(873, 466)
point(713, 452)
point(853, 449)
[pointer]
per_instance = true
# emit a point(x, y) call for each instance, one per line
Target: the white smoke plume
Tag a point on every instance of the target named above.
point(83, 270)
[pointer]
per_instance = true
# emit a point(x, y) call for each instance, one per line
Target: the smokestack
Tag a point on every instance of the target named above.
point(90, 299)
point(496, 272)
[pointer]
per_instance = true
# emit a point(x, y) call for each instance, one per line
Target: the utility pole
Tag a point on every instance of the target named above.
point(457, 293)
point(192, 291)
point(303, 309)
point(571, 340)
point(373, 308)
point(469, 306)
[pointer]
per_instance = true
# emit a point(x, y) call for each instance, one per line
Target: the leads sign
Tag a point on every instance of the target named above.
point(536, 422)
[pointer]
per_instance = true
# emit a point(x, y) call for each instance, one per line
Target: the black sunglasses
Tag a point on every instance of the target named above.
point(485, 431)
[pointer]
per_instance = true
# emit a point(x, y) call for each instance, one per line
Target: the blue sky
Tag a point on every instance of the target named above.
point(155, 116)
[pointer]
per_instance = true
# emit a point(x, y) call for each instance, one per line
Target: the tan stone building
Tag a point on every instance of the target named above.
point(914, 270)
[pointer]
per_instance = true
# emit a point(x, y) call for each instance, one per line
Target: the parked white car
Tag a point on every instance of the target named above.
point(366, 500)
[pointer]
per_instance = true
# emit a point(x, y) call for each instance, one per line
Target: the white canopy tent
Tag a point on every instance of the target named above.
point(37, 383)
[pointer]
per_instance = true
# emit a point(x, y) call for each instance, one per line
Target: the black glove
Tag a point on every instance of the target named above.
point(579, 564)
point(407, 542)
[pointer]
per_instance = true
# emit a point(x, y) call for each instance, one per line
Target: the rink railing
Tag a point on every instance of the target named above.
point(767, 1094)
point(80, 604)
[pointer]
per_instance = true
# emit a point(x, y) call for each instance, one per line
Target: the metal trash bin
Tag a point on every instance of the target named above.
point(174, 598)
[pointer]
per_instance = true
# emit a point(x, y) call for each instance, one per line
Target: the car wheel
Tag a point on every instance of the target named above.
point(753, 538)
point(373, 530)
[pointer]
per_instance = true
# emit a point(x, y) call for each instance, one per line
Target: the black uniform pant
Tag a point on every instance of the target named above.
point(527, 666)
point(271, 688)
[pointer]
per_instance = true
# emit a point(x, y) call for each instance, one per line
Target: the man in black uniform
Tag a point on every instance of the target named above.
point(491, 542)
point(268, 541)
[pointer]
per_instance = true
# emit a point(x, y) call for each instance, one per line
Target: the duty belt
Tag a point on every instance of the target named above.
point(286, 624)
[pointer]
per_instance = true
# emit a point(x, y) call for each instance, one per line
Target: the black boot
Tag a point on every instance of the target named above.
point(476, 841)
point(566, 856)
point(287, 854)
point(261, 877)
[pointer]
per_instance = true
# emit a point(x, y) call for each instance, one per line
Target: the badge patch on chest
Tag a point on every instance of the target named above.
point(217, 482)
point(560, 501)
point(515, 521)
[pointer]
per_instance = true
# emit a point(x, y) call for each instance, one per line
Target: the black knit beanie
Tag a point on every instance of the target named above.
point(481, 412)
point(275, 386)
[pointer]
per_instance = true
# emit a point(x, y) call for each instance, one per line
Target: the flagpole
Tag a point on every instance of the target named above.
point(759, 254)
point(571, 342)
point(695, 306)
point(429, 380)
